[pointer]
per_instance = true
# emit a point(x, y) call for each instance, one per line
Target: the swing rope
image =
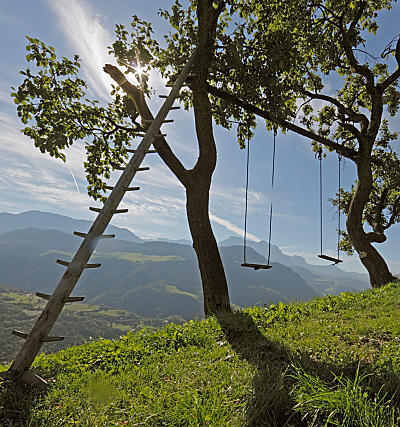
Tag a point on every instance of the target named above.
point(339, 202)
point(246, 201)
point(245, 264)
point(272, 190)
point(320, 194)
point(321, 255)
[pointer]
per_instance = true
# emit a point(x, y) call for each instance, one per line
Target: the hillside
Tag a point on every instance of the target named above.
point(47, 220)
point(152, 279)
point(79, 322)
point(323, 279)
point(332, 361)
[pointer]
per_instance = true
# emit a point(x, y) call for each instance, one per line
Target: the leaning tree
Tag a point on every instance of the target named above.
point(277, 58)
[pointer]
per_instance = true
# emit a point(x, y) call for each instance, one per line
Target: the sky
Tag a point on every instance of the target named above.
point(30, 180)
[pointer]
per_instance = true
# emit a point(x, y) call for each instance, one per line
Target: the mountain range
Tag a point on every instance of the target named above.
point(152, 278)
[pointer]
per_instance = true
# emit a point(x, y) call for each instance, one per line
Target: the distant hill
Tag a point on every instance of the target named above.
point(324, 279)
point(152, 279)
point(47, 220)
point(79, 322)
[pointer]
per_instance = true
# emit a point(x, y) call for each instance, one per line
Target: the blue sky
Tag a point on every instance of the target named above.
point(30, 180)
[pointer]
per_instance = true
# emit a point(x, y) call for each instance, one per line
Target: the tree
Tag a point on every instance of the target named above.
point(278, 55)
point(54, 103)
point(254, 59)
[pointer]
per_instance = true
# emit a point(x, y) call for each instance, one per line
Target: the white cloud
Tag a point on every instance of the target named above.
point(232, 227)
point(89, 38)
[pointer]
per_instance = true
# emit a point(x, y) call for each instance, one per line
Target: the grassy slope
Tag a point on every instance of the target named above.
point(332, 361)
point(79, 322)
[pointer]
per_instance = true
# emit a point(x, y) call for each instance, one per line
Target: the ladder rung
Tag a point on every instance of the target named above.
point(44, 296)
point(52, 339)
point(147, 152)
point(140, 135)
point(146, 168)
point(19, 334)
point(175, 108)
point(163, 96)
point(152, 120)
point(108, 187)
point(67, 263)
point(24, 336)
point(68, 299)
point(102, 236)
point(114, 212)
point(73, 299)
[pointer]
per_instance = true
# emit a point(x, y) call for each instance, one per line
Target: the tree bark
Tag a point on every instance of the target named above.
point(215, 288)
point(376, 266)
point(197, 181)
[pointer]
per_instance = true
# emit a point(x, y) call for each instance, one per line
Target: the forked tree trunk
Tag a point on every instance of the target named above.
point(378, 270)
point(196, 181)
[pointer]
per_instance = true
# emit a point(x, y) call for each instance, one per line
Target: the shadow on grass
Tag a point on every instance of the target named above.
point(16, 401)
point(272, 402)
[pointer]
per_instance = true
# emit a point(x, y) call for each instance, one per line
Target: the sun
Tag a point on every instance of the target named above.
point(140, 72)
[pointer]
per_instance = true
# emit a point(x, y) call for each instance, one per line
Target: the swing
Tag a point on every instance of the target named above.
point(321, 255)
point(245, 263)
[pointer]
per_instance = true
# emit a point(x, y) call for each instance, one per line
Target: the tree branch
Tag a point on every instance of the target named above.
point(393, 77)
point(362, 70)
point(354, 116)
point(125, 128)
point(207, 16)
point(160, 144)
point(352, 129)
point(377, 225)
point(340, 149)
point(396, 208)
point(375, 237)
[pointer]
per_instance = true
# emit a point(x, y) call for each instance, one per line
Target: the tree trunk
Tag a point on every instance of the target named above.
point(378, 270)
point(215, 288)
point(196, 181)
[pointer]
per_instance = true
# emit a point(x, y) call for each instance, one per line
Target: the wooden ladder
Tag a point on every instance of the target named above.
point(20, 367)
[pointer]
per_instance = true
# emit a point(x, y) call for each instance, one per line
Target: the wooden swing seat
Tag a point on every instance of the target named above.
point(329, 258)
point(256, 266)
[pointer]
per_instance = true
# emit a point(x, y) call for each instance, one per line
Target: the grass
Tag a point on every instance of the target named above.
point(334, 361)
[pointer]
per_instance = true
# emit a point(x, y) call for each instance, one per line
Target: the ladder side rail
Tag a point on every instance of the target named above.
point(54, 306)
